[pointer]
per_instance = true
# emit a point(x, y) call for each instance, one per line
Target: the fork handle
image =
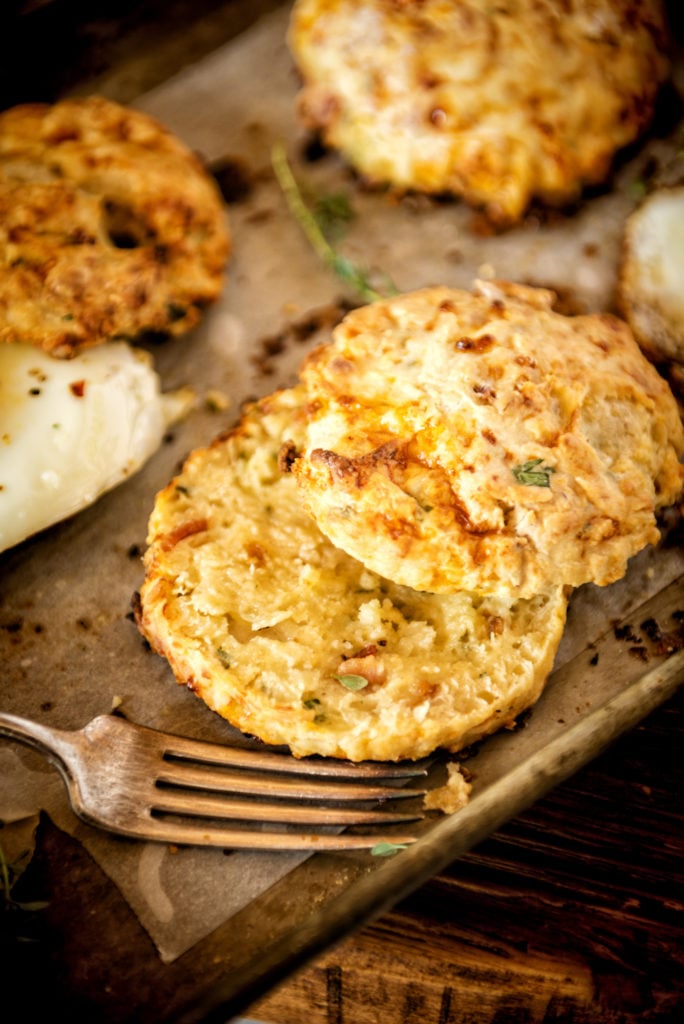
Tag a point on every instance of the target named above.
point(41, 737)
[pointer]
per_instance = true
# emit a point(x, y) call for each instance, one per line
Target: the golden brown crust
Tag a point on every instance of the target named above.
point(109, 227)
point(497, 103)
point(267, 622)
point(482, 441)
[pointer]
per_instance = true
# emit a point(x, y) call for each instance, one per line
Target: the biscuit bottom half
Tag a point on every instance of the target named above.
point(293, 641)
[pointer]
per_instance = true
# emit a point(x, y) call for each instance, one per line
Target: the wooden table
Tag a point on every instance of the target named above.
point(573, 912)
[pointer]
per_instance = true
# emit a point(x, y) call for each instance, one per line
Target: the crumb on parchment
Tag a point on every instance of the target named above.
point(453, 795)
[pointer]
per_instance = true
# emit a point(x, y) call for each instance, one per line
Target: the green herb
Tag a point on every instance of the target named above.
point(310, 703)
point(315, 229)
point(223, 656)
point(638, 189)
point(353, 682)
point(533, 474)
point(333, 213)
point(386, 849)
point(182, 490)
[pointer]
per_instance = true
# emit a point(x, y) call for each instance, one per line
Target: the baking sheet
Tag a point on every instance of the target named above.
point(70, 649)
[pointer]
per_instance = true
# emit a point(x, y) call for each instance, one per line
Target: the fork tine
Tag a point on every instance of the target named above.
point(183, 748)
point(217, 778)
point(200, 834)
point(176, 802)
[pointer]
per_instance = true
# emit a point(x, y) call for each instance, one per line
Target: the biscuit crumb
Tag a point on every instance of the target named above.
point(454, 794)
point(216, 401)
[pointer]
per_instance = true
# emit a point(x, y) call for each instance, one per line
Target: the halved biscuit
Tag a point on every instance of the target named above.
point(295, 642)
point(497, 103)
point(110, 227)
point(481, 441)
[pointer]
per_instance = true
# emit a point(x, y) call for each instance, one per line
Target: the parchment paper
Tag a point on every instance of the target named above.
point(69, 646)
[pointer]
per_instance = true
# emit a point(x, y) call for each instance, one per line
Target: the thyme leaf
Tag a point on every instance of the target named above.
point(386, 849)
point(352, 682)
point(223, 656)
point(318, 223)
point(638, 188)
point(533, 474)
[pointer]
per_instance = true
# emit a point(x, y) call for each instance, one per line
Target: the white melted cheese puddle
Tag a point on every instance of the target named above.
point(71, 429)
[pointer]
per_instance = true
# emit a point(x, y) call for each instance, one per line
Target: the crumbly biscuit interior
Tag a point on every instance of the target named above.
point(292, 640)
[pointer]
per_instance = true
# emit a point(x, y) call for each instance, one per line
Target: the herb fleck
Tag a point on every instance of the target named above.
point(223, 656)
point(533, 474)
point(638, 189)
point(386, 849)
point(353, 682)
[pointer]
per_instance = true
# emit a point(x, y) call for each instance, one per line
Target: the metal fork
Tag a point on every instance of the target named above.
point(139, 782)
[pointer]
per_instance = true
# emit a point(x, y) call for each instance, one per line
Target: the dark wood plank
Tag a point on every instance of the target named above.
point(572, 912)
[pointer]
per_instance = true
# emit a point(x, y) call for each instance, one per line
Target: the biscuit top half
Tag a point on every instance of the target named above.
point(482, 441)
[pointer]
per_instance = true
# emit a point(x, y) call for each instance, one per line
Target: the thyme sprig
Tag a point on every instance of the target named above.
point(333, 213)
point(319, 223)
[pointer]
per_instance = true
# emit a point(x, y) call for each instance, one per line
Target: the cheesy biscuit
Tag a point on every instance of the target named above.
point(481, 441)
point(496, 103)
point(293, 641)
point(110, 227)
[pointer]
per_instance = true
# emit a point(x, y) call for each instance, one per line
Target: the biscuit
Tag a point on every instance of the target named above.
point(650, 292)
point(110, 228)
point(482, 441)
point(495, 103)
point(293, 641)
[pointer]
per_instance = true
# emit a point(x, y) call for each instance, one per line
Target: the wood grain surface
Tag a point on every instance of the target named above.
point(572, 912)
